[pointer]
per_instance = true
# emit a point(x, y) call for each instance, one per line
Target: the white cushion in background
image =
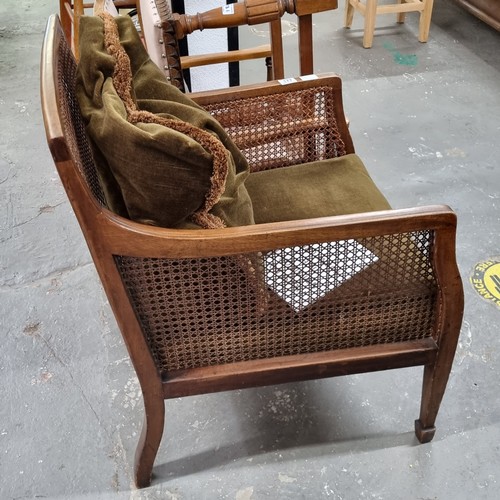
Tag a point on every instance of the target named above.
point(151, 25)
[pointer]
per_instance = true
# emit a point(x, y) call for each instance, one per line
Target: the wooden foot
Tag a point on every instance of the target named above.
point(424, 434)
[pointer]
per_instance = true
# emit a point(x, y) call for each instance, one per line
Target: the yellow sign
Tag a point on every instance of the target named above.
point(486, 280)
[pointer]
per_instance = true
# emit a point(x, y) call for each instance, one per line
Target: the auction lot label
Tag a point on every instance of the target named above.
point(486, 280)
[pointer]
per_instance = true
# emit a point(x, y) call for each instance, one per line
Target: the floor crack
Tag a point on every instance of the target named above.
point(54, 274)
point(52, 351)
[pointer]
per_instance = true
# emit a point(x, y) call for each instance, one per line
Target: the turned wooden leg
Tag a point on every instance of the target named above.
point(425, 21)
point(370, 16)
point(149, 442)
point(348, 14)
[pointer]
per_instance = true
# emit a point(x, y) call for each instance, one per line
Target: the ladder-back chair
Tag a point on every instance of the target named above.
point(162, 30)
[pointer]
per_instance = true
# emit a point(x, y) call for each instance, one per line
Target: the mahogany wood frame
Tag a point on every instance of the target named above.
point(108, 234)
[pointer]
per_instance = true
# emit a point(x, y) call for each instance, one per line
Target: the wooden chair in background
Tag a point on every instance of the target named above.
point(252, 12)
point(402, 306)
point(370, 9)
point(164, 28)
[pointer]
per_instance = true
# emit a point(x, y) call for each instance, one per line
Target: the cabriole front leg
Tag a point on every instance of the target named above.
point(149, 442)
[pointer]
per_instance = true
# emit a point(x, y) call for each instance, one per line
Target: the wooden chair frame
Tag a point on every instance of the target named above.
point(247, 12)
point(253, 12)
point(108, 235)
point(370, 9)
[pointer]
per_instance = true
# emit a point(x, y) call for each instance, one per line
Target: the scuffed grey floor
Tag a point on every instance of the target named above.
point(426, 120)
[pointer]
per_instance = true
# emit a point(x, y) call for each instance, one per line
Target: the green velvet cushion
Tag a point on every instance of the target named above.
point(151, 173)
point(319, 189)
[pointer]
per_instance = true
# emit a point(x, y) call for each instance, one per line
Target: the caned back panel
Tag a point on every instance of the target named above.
point(284, 129)
point(72, 121)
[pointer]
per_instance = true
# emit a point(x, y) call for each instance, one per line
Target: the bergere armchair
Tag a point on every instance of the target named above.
point(323, 281)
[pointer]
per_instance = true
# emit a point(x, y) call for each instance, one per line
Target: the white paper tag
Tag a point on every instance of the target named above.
point(287, 81)
point(305, 78)
point(228, 10)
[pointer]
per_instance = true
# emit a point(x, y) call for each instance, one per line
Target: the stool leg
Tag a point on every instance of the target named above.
point(400, 18)
point(370, 15)
point(425, 21)
point(348, 14)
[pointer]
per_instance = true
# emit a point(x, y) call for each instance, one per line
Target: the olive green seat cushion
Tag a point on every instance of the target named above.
point(152, 173)
point(338, 186)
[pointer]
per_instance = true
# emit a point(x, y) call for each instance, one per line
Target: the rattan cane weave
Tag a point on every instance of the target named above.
point(74, 125)
point(280, 129)
point(201, 312)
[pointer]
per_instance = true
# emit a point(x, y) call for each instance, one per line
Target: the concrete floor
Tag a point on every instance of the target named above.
point(426, 120)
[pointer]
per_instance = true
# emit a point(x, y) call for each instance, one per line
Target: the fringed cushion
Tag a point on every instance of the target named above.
point(163, 160)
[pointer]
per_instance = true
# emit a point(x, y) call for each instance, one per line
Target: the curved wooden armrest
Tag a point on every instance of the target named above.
point(191, 243)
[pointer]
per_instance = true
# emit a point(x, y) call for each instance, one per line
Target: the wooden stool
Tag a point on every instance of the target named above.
point(370, 9)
